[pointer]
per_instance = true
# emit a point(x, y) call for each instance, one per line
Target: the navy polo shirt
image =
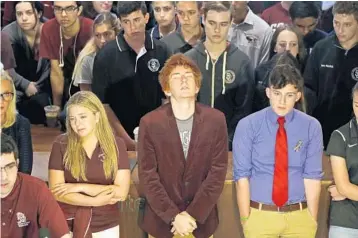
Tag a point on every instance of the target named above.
point(129, 82)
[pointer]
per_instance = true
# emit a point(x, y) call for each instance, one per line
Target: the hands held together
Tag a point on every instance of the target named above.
point(183, 224)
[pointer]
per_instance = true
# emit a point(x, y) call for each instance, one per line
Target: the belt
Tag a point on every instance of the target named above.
point(273, 208)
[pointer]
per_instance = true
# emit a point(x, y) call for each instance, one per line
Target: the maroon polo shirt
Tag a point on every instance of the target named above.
point(51, 41)
point(28, 207)
point(276, 16)
point(103, 217)
point(7, 54)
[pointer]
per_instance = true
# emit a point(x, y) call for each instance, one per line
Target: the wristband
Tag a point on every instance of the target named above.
point(244, 218)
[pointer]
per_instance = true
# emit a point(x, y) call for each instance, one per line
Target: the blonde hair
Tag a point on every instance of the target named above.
point(90, 47)
point(11, 111)
point(75, 156)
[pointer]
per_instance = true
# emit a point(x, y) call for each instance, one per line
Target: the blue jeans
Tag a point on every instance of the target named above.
point(342, 232)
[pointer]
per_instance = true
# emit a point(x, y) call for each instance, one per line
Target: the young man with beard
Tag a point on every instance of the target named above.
point(332, 71)
point(190, 31)
point(27, 205)
point(62, 39)
point(228, 81)
point(250, 33)
point(182, 158)
point(125, 71)
point(164, 13)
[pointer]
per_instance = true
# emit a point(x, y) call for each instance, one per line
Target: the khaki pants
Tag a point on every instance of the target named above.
point(178, 236)
point(109, 233)
point(267, 224)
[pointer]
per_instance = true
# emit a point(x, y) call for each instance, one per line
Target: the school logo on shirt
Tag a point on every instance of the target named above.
point(21, 220)
point(153, 65)
point(229, 76)
point(355, 74)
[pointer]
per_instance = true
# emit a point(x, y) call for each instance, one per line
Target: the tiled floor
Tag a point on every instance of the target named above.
point(42, 139)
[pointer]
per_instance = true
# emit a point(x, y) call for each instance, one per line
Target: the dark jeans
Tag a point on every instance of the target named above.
point(33, 107)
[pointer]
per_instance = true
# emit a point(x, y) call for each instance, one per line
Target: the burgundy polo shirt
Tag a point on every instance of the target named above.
point(103, 217)
point(51, 40)
point(31, 206)
point(276, 16)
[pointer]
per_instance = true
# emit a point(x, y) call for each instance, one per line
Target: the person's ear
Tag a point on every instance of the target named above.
point(298, 97)
point(268, 93)
point(17, 162)
point(168, 94)
point(146, 17)
point(80, 8)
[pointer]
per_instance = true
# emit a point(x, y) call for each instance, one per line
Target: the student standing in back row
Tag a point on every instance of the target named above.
point(277, 156)
point(190, 31)
point(62, 39)
point(332, 71)
point(125, 71)
point(228, 81)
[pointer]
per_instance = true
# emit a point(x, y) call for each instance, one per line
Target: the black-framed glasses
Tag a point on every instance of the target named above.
point(7, 96)
point(68, 10)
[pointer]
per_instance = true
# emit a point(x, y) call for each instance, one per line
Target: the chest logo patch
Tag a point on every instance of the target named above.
point(153, 65)
point(354, 74)
point(229, 76)
point(21, 220)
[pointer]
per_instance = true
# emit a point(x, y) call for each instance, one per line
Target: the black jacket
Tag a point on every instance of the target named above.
point(330, 75)
point(227, 84)
point(129, 85)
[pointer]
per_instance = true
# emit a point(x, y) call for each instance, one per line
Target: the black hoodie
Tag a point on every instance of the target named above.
point(228, 83)
point(330, 75)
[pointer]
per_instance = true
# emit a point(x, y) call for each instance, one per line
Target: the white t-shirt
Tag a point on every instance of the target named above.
point(86, 73)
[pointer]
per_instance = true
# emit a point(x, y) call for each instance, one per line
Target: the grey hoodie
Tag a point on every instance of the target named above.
point(228, 83)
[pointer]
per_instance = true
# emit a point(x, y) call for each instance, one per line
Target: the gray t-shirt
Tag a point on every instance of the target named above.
point(185, 127)
point(344, 143)
point(86, 70)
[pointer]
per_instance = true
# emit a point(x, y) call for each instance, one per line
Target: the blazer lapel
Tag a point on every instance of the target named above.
point(175, 137)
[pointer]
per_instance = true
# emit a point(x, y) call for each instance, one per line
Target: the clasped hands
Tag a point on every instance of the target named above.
point(107, 196)
point(336, 196)
point(183, 224)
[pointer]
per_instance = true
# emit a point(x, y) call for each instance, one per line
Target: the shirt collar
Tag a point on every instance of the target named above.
point(249, 19)
point(273, 116)
point(123, 45)
point(353, 127)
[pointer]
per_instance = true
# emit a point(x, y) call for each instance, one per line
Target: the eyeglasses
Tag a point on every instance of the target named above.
point(8, 96)
point(68, 10)
point(8, 168)
point(187, 76)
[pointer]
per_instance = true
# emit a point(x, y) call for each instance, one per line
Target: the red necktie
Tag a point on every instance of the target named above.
point(280, 180)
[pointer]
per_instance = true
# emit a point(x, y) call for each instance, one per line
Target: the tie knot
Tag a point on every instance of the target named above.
point(281, 121)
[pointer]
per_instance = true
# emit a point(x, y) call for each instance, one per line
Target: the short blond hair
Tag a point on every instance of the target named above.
point(11, 111)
